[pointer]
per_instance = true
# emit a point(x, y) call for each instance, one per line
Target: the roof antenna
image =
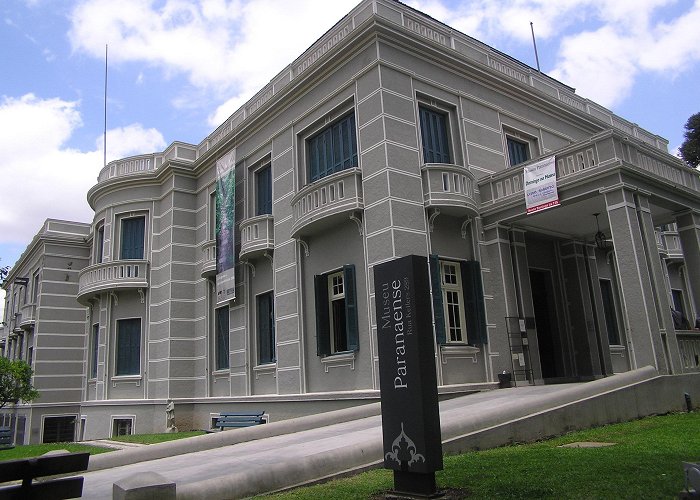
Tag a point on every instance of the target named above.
point(534, 44)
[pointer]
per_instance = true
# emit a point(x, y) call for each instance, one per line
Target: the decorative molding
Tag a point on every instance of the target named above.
point(465, 225)
point(461, 351)
point(269, 257)
point(357, 221)
point(303, 244)
point(142, 295)
point(266, 369)
point(113, 295)
point(249, 266)
point(338, 360)
point(431, 219)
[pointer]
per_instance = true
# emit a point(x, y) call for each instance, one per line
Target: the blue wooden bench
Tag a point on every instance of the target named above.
point(29, 469)
point(6, 438)
point(239, 419)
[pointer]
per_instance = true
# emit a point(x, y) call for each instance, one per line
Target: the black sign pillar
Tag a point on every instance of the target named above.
point(408, 383)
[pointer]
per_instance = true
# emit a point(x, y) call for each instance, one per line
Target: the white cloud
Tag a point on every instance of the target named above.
point(228, 48)
point(604, 45)
point(48, 178)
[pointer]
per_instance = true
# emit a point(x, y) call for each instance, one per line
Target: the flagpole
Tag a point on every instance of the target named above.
point(534, 44)
point(105, 113)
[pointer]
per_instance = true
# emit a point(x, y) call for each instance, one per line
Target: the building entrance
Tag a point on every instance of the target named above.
point(545, 318)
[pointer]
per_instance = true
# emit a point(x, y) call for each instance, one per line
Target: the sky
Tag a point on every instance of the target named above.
point(178, 68)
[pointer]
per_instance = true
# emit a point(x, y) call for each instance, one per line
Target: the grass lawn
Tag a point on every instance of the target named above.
point(34, 450)
point(645, 462)
point(156, 438)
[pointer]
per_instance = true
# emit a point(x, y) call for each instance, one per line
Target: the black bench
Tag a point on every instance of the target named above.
point(240, 419)
point(6, 438)
point(28, 469)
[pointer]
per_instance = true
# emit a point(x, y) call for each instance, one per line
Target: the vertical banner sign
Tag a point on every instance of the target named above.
point(408, 383)
point(225, 226)
point(541, 185)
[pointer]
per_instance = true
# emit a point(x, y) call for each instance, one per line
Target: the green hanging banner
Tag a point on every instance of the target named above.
point(225, 227)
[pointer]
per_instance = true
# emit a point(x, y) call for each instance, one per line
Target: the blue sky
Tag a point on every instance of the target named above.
point(178, 68)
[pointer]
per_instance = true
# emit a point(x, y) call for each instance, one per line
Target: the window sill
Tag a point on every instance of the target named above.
point(221, 373)
point(336, 360)
point(458, 351)
point(136, 379)
point(126, 377)
point(265, 369)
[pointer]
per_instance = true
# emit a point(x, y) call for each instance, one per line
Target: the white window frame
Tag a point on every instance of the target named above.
point(336, 292)
point(113, 419)
point(452, 288)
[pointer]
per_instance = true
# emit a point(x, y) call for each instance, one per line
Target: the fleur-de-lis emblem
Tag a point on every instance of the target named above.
point(403, 450)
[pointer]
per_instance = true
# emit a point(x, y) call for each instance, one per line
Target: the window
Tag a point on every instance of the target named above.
point(458, 301)
point(518, 151)
point(221, 317)
point(128, 347)
point(212, 216)
point(122, 426)
point(35, 286)
point(606, 291)
point(333, 149)
point(99, 244)
point(95, 345)
point(266, 328)
point(433, 129)
point(453, 301)
point(336, 312)
point(263, 191)
point(59, 429)
point(133, 237)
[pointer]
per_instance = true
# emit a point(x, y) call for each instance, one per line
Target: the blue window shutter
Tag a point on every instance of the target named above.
point(333, 149)
point(263, 179)
point(351, 326)
point(518, 151)
point(438, 314)
point(128, 347)
point(266, 328)
point(323, 334)
point(433, 126)
point(222, 337)
point(474, 307)
point(133, 231)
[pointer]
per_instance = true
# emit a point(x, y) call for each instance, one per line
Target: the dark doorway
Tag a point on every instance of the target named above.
point(545, 319)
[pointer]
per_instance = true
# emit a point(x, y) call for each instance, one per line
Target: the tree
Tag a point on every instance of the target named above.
point(15, 382)
point(690, 149)
point(4, 271)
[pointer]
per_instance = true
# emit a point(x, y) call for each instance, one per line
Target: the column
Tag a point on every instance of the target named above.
point(658, 279)
point(636, 287)
point(581, 304)
point(499, 294)
point(521, 274)
point(286, 262)
point(603, 343)
point(689, 233)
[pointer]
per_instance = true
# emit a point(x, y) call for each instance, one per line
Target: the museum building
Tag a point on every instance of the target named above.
point(393, 134)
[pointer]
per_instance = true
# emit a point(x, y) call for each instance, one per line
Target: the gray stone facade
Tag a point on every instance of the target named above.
point(586, 309)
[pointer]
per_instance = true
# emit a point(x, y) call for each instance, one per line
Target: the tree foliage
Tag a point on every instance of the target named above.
point(16, 382)
point(4, 271)
point(690, 149)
